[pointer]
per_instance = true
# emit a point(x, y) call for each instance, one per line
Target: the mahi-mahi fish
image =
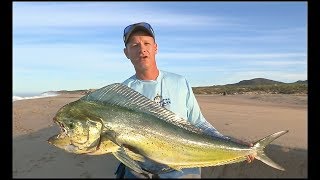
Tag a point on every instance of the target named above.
point(119, 120)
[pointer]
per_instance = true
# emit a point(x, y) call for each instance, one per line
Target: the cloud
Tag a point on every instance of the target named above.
point(280, 63)
point(229, 56)
point(107, 14)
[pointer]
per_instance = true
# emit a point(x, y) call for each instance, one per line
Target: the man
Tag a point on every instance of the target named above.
point(169, 90)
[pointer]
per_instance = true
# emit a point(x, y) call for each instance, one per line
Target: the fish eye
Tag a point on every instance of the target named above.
point(71, 125)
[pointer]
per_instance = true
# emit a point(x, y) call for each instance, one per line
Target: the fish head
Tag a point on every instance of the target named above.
point(80, 129)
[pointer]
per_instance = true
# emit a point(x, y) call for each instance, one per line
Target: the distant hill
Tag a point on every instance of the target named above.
point(256, 86)
point(301, 82)
point(263, 81)
point(75, 91)
point(256, 81)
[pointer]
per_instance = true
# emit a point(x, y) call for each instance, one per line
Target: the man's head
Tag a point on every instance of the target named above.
point(140, 46)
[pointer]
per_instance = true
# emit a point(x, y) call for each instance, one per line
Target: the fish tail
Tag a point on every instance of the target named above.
point(262, 143)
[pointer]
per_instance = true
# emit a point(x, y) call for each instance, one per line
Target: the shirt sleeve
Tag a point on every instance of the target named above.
point(195, 116)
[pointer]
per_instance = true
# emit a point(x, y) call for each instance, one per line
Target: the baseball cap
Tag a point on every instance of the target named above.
point(137, 26)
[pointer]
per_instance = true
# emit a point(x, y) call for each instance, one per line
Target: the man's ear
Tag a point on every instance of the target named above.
point(156, 47)
point(126, 52)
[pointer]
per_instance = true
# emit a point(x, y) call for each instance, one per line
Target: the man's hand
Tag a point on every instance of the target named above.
point(250, 157)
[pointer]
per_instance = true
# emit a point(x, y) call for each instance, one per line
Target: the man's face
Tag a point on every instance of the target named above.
point(141, 50)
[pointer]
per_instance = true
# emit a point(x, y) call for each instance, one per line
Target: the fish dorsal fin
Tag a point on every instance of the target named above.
point(121, 95)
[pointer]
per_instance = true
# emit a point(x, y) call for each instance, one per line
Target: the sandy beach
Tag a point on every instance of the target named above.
point(245, 117)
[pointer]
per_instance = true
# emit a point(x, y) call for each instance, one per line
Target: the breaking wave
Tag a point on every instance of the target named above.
point(42, 95)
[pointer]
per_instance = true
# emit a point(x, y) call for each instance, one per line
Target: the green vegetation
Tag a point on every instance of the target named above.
point(282, 88)
point(75, 91)
point(256, 85)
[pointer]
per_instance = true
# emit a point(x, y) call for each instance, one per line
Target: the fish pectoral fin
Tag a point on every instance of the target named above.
point(133, 154)
point(122, 156)
point(105, 146)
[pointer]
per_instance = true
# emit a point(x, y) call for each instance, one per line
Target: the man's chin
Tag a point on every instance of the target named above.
point(142, 64)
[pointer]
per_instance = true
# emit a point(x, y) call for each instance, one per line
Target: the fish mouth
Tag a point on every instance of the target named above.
point(63, 133)
point(63, 129)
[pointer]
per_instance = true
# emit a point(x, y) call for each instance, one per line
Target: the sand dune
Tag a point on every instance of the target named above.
point(245, 117)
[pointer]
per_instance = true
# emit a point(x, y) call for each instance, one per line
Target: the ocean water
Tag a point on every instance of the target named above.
point(23, 96)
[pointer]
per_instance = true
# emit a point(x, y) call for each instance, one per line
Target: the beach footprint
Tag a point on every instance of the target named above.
point(80, 164)
point(86, 174)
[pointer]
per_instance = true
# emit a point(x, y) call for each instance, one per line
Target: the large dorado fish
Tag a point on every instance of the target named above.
point(116, 119)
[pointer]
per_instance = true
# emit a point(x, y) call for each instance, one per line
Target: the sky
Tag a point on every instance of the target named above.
point(79, 45)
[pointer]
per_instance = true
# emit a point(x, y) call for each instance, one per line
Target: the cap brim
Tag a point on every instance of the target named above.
point(138, 28)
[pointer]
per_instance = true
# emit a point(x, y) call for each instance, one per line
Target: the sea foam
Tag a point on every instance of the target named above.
point(42, 95)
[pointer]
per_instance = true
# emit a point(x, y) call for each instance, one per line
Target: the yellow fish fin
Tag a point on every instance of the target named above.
point(134, 156)
point(105, 146)
point(122, 156)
